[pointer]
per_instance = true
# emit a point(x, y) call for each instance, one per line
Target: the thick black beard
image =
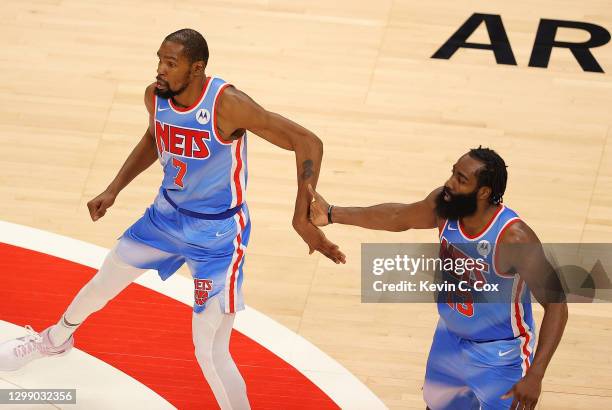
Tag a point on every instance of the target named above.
point(459, 206)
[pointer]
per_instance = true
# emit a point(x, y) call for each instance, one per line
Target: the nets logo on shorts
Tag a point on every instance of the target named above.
point(202, 287)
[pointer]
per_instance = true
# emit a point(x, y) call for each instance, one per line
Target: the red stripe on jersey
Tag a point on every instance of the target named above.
point(240, 252)
point(237, 172)
point(519, 321)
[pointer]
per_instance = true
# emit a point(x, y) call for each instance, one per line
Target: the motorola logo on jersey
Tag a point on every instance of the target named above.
point(185, 142)
point(203, 116)
point(484, 248)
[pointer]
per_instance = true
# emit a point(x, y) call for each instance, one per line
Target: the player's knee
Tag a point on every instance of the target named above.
point(204, 355)
point(118, 261)
point(221, 352)
point(114, 275)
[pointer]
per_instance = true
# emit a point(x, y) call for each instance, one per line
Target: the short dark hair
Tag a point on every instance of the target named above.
point(195, 47)
point(493, 174)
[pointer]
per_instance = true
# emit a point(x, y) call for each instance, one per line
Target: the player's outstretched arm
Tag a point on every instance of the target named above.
point(237, 112)
point(521, 250)
point(141, 158)
point(393, 217)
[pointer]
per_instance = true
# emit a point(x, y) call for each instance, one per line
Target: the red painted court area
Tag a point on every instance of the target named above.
point(145, 334)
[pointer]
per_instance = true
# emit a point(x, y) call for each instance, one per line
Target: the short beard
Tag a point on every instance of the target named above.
point(458, 207)
point(168, 93)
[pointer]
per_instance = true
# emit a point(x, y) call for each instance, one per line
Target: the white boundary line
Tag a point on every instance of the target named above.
point(95, 381)
point(337, 382)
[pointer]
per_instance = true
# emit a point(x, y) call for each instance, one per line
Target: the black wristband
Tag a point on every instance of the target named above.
point(329, 211)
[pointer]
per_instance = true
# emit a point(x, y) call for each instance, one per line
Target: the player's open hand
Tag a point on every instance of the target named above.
point(316, 241)
point(526, 392)
point(318, 208)
point(98, 206)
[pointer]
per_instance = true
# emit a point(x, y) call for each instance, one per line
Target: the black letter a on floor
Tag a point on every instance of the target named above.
point(499, 39)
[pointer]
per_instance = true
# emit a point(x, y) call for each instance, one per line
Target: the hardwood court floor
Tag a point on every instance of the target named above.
point(393, 120)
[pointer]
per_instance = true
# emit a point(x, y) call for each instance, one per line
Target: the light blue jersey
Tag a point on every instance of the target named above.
point(485, 321)
point(202, 173)
point(479, 350)
point(199, 216)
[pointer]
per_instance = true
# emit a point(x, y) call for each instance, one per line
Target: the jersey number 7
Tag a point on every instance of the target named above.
point(182, 170)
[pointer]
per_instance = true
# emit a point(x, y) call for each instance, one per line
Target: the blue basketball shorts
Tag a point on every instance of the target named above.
point(214, 250)
point(465, 374)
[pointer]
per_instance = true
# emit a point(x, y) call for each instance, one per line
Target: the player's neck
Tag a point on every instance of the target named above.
point(475, 223)
point(191, 94)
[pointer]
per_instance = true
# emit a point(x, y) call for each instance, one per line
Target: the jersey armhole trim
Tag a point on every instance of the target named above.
point(214, 115)
point(498, 272)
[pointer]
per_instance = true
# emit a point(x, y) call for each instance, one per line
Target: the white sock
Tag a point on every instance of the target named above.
point(62, 331)
point(211, 335)
point(114, 276)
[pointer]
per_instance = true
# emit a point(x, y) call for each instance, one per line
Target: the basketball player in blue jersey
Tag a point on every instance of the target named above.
point(197, 131)
point(482, 355)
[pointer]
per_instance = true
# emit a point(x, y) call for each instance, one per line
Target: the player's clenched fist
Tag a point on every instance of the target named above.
point(98, 206)
point(318, 208)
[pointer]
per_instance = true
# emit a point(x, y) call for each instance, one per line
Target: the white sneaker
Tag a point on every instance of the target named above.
point(16, 353)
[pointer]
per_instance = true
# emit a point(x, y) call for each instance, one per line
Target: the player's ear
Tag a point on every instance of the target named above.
point(484, 192)
point(198, 67)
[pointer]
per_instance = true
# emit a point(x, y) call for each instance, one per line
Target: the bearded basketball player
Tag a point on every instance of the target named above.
point(482, 355)
point(198, 131)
